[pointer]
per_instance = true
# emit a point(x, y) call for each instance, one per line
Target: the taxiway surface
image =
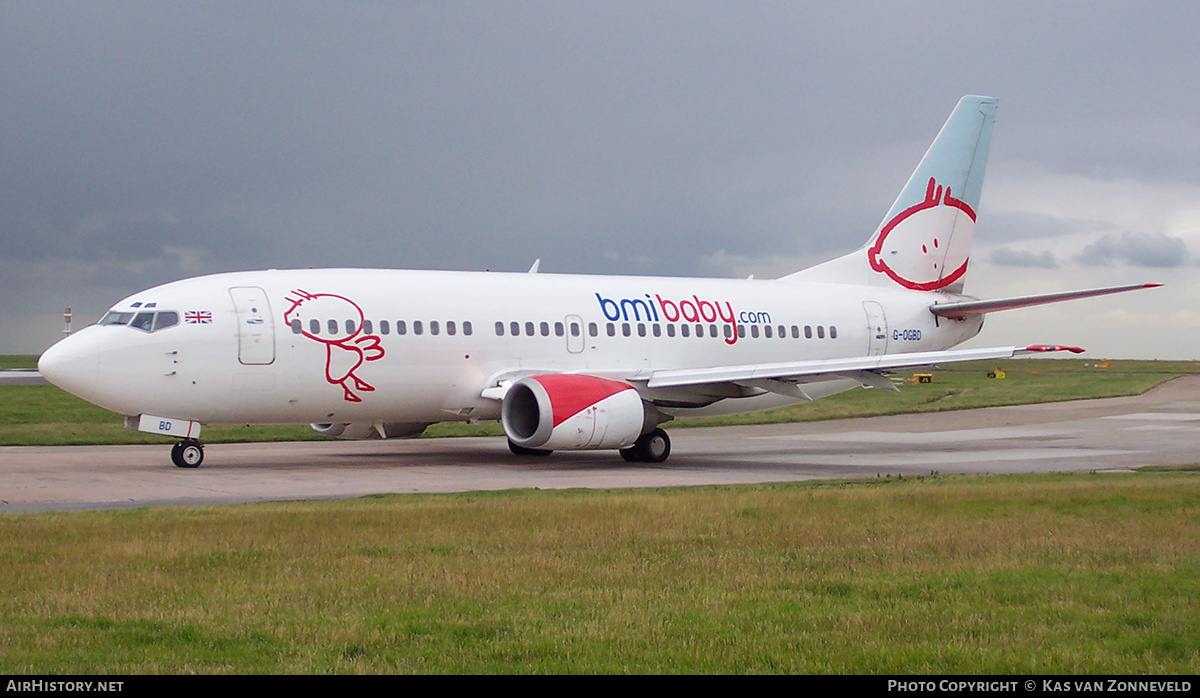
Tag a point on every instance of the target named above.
point(1161, 427)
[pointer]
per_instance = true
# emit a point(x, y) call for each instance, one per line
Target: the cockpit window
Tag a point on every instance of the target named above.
point(167, 318)
point(145, 321)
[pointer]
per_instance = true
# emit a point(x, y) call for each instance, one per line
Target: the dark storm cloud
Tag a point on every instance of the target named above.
point(1137, 249)
point(169, 138)
point(1009, 257)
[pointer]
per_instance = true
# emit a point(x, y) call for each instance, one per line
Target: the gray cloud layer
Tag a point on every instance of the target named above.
point(144, 141)
point(1009, 257)
point(1153, 250)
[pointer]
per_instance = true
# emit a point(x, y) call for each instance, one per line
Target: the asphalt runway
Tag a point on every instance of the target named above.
point(1161, 427)
point(21, 376)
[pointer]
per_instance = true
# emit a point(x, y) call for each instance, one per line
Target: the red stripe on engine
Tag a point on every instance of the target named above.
point(572, 394)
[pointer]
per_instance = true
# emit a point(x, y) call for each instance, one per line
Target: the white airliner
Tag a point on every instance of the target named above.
point(563, 361)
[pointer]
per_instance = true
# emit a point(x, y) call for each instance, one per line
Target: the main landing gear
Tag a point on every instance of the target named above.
point(188, 453)
point(649, 448)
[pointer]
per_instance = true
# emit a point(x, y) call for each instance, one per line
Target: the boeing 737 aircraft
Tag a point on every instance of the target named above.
point(563, 361)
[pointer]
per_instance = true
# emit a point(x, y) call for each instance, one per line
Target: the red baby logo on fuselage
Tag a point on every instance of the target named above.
point(916, 248)
point(345, 349)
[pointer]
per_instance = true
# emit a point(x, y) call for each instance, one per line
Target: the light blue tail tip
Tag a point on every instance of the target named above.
point(958, 157)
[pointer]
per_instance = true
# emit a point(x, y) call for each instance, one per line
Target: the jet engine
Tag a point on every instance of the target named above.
point(574, 412)
point(370, 430)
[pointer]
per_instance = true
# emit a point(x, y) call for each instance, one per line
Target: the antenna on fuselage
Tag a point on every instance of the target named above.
point(534, 268)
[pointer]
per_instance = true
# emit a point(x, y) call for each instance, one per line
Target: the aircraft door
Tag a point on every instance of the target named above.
point(256, 325)
point(575, 337)
point(877, 330)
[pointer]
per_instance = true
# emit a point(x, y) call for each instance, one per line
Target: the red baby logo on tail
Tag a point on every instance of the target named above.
point(345, 349)
point(925, 247)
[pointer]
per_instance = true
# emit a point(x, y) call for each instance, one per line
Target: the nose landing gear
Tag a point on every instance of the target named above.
point(188, 453)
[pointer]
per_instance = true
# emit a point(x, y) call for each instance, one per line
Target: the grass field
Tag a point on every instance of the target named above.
point(42, 415)
point(1037, 574)
point(1070, 574)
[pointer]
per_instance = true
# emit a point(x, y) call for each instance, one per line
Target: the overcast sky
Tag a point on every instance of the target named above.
point(144, 142)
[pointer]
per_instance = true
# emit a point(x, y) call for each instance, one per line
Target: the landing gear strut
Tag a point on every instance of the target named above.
point(649, 448)
point(188, 453)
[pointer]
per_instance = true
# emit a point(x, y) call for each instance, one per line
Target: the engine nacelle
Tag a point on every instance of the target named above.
point(572, 412)
point(370, 430)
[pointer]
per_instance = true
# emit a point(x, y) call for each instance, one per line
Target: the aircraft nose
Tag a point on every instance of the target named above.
point(73, 364)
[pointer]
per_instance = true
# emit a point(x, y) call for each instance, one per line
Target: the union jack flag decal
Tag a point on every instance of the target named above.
point(197, 317)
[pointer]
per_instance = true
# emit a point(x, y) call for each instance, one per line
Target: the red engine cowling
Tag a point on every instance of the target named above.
point(572, 412)
point(370, 430)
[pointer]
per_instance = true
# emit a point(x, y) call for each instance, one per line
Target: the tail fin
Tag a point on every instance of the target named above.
point(925, 239)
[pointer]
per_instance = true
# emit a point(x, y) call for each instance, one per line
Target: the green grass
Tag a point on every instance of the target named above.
point(42, 415)
point(10, 361)
point(1071, 574)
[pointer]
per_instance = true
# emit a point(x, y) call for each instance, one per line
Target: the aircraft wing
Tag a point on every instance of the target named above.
point(965, 308)
point(785, 378)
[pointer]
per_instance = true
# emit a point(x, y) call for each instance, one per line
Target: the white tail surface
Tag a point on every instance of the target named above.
point(924, 241)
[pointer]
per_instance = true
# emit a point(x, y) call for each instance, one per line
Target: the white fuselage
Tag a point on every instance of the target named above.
point(421, 346)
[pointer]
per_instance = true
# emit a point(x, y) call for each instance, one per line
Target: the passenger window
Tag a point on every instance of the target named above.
point(433, 327)
point(401, 328)
point(808, 331)
point(467, 329)
point(559, 329)
point(833, 332)
point(782, 332)
point(593, 330)
point(685, 330)
point(418, 327)
point(754, 331)
point(332, 326)
point(367, 326)
point(515, 327)
point(451, 327)
point(575, 329)
point(314, 327)
point(699, 330)
point(741, 331)
point(641, 329)
point(612, 330)
point(795, 332)
point(545, 328)
point(657, 329)
point(529, 330)
point(625, 329)
point(712, 331)
point(820, 332)
point(670, 330)
point(296, 328)
point(767, 332)
point(499, 328)
point(349, 327)
point(383, 327)
point(728, 331)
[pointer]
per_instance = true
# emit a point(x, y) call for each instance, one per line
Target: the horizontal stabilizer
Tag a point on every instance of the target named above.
point(966, 308)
